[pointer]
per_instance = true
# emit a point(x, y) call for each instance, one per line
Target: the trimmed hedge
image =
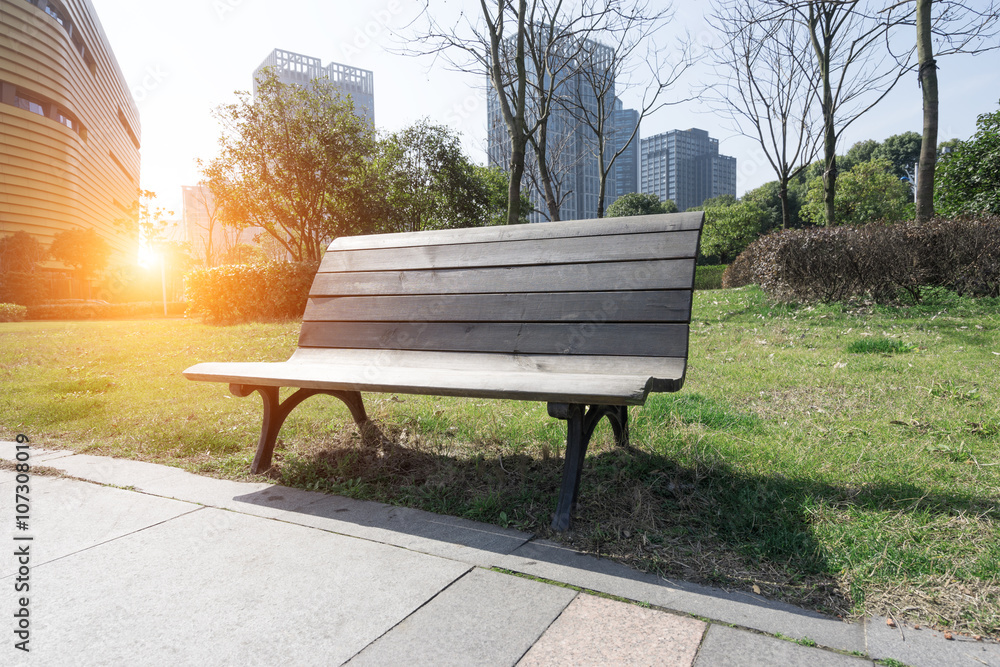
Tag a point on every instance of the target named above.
point(237, 293)
point(12, 312)
point(95, 310)
point(877, 262)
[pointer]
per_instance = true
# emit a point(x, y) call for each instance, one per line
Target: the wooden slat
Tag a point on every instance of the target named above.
point(567, 229)
point(599, 307)
point(661, 245)
point(527, 386)
point(382, 362)
point(609, 276)
point(658, 340)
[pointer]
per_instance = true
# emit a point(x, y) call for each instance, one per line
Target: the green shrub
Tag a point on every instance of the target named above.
point(23, 287)
point(12, 312)
point(708, 276)
point(877, 262)
point(249, 292)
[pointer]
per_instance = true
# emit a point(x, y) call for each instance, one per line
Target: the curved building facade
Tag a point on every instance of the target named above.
point(69, 128)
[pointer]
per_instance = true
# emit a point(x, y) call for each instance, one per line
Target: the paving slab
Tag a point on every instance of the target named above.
point(598, 631)
point(67, 516)
point(449, 537)
point(107, 470)
point(8, 451)
point(218, 587)
point(257, 498)
point(553, 561)
point(927, 647)
point(485, 618)
point(729, 647)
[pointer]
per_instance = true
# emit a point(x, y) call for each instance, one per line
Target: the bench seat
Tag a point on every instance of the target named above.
point(548, 378)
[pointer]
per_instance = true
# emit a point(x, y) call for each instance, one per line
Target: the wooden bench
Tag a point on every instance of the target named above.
point(576, 314)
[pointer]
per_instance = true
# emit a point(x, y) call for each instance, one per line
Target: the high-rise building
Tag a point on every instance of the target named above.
point(626, 167)
point(69, 135)
point(571, 144)
point(685, 166)
point(299, 69)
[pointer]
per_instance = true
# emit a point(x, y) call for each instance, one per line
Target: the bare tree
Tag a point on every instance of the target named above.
point(216, 240)
point(856, 70)
point(768, 87)
point(628, 33)
point(943, 27)
point(478, 44)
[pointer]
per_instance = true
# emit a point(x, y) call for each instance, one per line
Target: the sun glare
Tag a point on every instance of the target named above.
point(147, 256)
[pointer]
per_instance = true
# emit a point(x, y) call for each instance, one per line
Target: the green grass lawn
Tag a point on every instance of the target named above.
point(843, 459)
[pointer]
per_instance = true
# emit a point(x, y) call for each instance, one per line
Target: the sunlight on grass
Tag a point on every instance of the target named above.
point(842, 458)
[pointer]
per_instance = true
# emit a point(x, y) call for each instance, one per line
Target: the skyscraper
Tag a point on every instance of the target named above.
point(685, 166)
point(626, 167)
point(571, 144)
point(297, 68)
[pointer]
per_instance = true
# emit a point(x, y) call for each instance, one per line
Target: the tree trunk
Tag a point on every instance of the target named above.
point(929, 86)
point(514, 187)
point(786, 215)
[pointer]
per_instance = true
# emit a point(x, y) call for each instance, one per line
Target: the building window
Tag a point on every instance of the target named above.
point(29, 103)
point(57, 13)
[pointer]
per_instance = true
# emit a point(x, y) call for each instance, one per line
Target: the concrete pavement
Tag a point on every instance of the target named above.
point(141, 564)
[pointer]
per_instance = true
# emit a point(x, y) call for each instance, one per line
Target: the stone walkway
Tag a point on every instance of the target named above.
point(141, 564)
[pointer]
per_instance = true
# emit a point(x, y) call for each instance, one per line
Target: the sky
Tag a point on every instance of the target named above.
point(184, 58)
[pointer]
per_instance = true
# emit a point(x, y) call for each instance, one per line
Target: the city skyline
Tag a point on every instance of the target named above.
point(176, 89)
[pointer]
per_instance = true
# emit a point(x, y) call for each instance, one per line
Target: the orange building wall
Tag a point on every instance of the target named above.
point(53, 178)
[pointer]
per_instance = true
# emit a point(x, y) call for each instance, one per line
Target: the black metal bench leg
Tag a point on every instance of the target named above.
point(275, 413)
point(576, 451)
point(580, 425)
point(618, 416)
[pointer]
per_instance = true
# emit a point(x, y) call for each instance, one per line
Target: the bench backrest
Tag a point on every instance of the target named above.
point(610, 287)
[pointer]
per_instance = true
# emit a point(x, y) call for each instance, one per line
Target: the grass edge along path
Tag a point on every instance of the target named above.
point(851, 482)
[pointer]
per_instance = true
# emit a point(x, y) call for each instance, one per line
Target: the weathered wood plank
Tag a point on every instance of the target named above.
point(658, 340)
point(383, 362)
point(647, 306)
point(566, 229)
point(598, 277)
point(527, 386)
point(661, 245)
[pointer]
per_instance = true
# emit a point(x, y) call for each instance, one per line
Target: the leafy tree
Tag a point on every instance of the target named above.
point(495, 182)
point(902, 151)
point(861, 151)
point(721, 200)
point(83, 249)
point(867, 193)
point(730, 227)
point(428, 182)
point(20, 252)
point(635, 203)
point(969, 175)
point(767, 196)
point(292, 161)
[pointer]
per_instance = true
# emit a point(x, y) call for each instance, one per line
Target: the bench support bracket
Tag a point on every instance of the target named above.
point(275, 413)
point(580, 424)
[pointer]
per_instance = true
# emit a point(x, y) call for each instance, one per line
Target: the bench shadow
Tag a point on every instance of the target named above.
point(710, 525)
